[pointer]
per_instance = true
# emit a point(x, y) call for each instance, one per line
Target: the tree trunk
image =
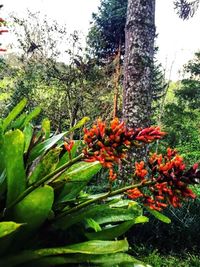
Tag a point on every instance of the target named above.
point(117, 75)
point(139, 52)
point(137, 87)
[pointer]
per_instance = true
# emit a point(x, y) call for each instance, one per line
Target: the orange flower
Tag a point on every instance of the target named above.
point(134, 193)
point(69, 146)
point(112, 175)
point(150, 134)
point(169, 179)
point(140, 171)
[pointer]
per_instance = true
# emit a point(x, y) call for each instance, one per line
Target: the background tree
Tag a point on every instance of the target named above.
point(182, 113)
point(106, 40)
point(185, 8)
point(66, 91)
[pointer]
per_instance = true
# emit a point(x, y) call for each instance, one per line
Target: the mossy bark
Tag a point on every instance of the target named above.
point(139, 53)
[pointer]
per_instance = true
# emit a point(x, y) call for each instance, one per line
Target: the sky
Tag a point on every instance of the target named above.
point(177, 40)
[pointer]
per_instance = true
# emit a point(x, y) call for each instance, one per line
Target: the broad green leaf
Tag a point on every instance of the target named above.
point(42, 147)
point(28, 133)
point(18, 122)
point(122, 203)
point(113, 215)
point(46, 127)
point(14, 164)
point(95, 247)
point(3, 182)
point(159, 215)
point(7, 228)
point(65, 158)
point(115, 231)
point(115, 259)
point(90, 223)
point(2, 166)
point(141, 219)
point(76, 177)
point(14, 113)
point(46, 165)
point(32, 115)
point(100, 213)
point(34, 208)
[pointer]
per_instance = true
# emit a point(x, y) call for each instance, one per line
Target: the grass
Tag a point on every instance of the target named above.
point(156, 259)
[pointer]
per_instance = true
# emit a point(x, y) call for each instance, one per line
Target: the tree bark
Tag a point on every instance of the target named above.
point(139, 52)
point(137, 84)
point(117, 75)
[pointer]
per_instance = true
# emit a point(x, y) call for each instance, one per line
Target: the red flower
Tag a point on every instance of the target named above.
point(140, 171)
point(69, 146)
point(150, 134)
point(169, 179)
point(112, 175)
point(134, 193)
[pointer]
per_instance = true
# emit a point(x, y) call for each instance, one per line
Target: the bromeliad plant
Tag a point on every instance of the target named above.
point(48, 220)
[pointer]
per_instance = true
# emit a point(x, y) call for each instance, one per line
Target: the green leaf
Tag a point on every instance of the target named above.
point(34, 208)
point(115, 231)
point(100, 213)
point(80, 124)
point(42, 147)
point(46, 127)
point(18, 122)
point(65, 158)
point(28, 133)
point(107, 260)
point(90, 223)
point(90, 248)
point(46, 165)
point(159, 215)
point(14, 164)
point(14, 113)
point(3, 182)
point(76, 177)
point(141, 219)
point(31, 116)
point(7, 228)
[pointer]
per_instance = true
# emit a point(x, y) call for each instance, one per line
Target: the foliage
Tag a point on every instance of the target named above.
point(41, 199)
point(181, 114)
point(107, 33)
point(156, 235)
point(157, 259)
point(64, 90)
point(185, 8)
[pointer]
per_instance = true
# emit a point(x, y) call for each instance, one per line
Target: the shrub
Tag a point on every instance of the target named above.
point(48, 220)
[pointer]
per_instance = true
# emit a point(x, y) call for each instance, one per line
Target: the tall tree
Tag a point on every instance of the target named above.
point(106, 40)
point(139, 53)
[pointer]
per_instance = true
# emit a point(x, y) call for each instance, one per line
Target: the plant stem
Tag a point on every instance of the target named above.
point(46, 178)
point(66, 211)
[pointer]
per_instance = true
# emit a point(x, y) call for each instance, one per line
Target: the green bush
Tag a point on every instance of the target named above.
point(46, 216)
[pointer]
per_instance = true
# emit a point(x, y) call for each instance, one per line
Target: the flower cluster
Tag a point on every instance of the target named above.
point(169, 179)
point(109, 143)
